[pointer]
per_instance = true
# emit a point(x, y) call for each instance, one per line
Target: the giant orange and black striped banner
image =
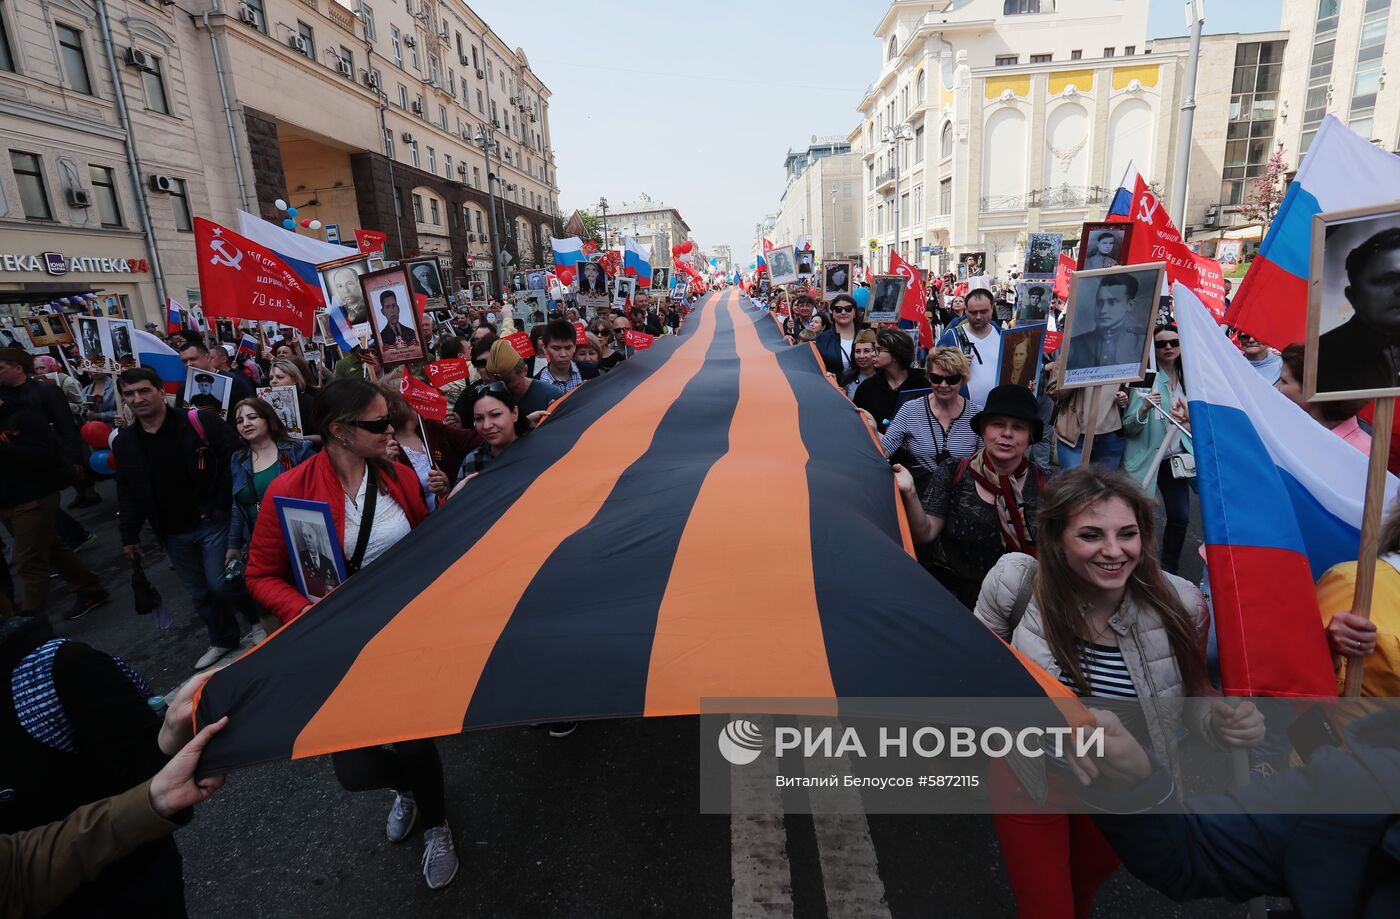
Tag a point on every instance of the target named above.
point(710, 519)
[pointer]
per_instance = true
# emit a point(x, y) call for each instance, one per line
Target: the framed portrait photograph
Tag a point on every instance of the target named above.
point(227, 330)
point(340, 283)
point(972, 265)
point(837, 277)
point(1021, 348)
point(1032, 302)
point(477, 292)
point(536, 280)
point(1042, 256)
point(48, 329)
point(1354, 305)
point(113, 307)
point(309, 534)
point(208, 390)
point(782, 265)
point(393, 315)
point(15, 335)
point(806, 262)
point(660, 278)
point(123, 347)
point(1108, 325)
point(622, 291)
point(425, 277)
point(1103, 245)
point(283, 400)
point(886, 297)
point(765, 287)
point(60, 332)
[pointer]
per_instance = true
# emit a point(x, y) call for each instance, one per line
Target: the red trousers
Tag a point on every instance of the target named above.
point(1056, 862)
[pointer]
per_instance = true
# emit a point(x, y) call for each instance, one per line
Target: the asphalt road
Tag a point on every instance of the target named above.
point(603, 823)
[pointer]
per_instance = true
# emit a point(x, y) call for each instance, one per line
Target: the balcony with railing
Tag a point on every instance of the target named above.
point(885, 179)
point(1056, 197)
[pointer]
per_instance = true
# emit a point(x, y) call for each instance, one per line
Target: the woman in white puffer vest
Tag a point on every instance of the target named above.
point(1098, 613)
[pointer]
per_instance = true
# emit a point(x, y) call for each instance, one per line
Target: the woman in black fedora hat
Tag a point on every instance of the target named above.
point(983, 506)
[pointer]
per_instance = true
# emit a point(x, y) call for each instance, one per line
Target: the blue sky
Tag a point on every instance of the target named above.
point(697, 104)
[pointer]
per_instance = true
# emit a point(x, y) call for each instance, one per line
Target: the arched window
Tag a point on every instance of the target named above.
point(921, 87)
point(894, 47)
point(945, 140)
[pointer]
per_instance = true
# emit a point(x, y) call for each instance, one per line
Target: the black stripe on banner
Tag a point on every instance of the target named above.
point(271, 694)
point(579, 642)
point(891, 630)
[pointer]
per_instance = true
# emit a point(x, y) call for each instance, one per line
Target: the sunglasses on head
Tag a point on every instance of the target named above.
point(1169, 343)
point(375, 426)
point(952, 380)
point(497, 389)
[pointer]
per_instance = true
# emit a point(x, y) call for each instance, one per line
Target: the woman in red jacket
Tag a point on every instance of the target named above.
point(374, 504)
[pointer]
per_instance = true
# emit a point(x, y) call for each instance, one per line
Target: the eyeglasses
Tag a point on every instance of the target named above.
point(376, 426)
point(952, 380)
point(497, 389)
point(843, 309)
point(1168, 343)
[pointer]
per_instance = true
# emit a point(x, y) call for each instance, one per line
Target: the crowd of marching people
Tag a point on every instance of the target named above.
point(1062, 561)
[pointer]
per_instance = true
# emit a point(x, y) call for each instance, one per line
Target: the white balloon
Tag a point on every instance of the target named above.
point(112, 438)
point(315, 224)
point(280, 204)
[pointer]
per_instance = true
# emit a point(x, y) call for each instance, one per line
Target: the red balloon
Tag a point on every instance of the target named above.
point(306, 223)
point(95, 434)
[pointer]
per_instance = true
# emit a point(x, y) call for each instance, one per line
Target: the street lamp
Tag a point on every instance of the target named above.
point(603, 206)
point(892, 137)
point(486, 141)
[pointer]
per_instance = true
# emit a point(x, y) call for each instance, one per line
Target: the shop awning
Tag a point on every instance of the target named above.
point(44, 292)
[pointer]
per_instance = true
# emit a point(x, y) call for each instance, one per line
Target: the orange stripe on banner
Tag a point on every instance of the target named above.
point(768, 641)
point(417, 676)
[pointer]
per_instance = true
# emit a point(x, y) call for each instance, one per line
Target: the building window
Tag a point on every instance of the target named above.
point(259, 17)
point(432, 160)
point(1018, 7)
point(367, 17)
point(1253, 108)
point(180, 207)
point(1129, 50)
point(347, 57)
point(945, 197)
point(447, 165)
point(478, 221)
point(418, 208)
point(494, 120)
point(945, 140)
point(921, 88)
point(1008, 60)
point(29, 176)
point(418, 108)
point(154, 83)
point(480, 106)
point(904, 211)
point(403, 96)
point(442, 117)
point(434, 69)
point(413, 153)
point(104, 189)
point(1367, 81)
point(308, 37)
point(1042, 58)
point(1108, 52)
point(1320, 70)
point(1076, 55)
point(893, 50)
point(388, 143)
point(396, 45)
point(433, 213)
point(70, 48)
point(413, 56)
point(476, 177)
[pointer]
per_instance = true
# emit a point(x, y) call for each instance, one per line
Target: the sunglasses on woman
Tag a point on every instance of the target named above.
point(843, 309)
point(953, 380)
point(374, 426)
point(497, 389)
point(1168, 343)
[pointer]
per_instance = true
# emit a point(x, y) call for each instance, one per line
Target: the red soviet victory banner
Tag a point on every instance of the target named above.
point(639, 340)
point(520, 341)
point(1155, 238)
point(1062, 272)
point(447, 370)
point(370, 241)
point(580, 333)
point(240, 279)
point(425, 400)
point(913, 307)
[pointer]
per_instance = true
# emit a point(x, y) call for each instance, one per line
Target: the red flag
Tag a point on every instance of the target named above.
point(589, 247)
point(639, 340)
point(425, 400)
point(240, 278)
point(422, 301)
point(520, 341)
point(447, 370)
point(580, 333)
point(1156, 239)
point(1062, 272)
point(767, 246)
point(913, 307)
point(1052, 342)
point(370, 240)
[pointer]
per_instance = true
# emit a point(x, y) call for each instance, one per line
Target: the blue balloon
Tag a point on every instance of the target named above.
point(291, 212)
point(289, 224)
point(862, 297)
point(101, 462)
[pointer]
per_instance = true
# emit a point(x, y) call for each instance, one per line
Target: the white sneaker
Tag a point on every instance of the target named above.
point(256, 636)
point(212, 656)
point(439, 856)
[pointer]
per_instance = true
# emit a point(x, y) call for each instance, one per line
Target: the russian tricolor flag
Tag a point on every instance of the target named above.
point(1341, 170)
point(173, 321)
point(339, 322)
point(300, 253)
point(636, 261)
point(568, 252)
point(1281, 501)
point(164, 360)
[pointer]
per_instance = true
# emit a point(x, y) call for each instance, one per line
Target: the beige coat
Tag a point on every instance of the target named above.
point(1142, 638)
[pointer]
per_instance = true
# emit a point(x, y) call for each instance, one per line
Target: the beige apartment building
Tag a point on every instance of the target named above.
point(821, 200)
point(389, 116)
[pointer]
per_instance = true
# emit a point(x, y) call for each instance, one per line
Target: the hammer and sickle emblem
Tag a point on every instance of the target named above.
point(225, 254)
point(1147, 206)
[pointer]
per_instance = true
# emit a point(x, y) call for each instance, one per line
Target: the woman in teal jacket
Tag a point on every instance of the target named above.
point(1145, 430)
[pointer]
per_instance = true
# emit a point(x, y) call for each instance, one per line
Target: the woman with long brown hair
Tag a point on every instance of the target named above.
point(1096, 611)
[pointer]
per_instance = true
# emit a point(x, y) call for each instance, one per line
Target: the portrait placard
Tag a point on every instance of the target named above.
point(1021, 348)
point(425, 278)
point(393, 315)
point(1354, 305)
point(886, 297)
point(340, 284)
point(660, 278)
point(1108, 325)
point(1042, 256)
point(308, 531)
point(593, 292)
point(806, 262)
point(782, 265)
point(48, 329)
point(105, 345)
point(207, 390)
point(1103, 245)
point(837, 278)
point(283, 400)
point(1032, 302)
